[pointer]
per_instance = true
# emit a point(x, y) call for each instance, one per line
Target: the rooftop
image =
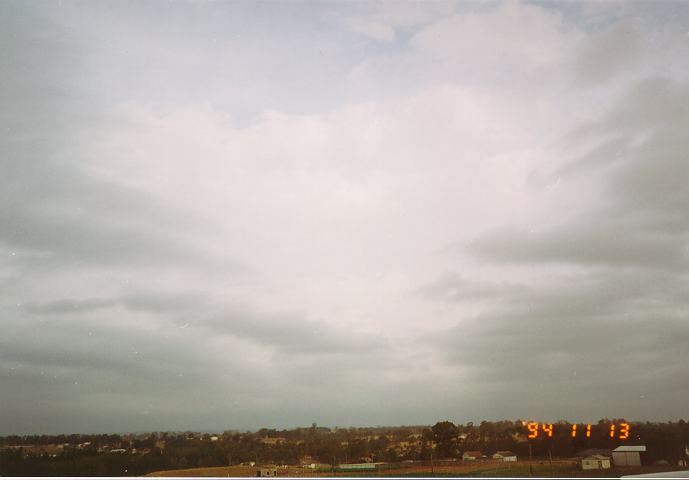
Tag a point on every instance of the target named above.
point(630, 448)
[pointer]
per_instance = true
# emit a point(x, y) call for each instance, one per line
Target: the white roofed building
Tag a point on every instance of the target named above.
point(628, 455)
point(505, 456)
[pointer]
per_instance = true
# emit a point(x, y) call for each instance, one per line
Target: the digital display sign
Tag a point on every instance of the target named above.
point(618, 431)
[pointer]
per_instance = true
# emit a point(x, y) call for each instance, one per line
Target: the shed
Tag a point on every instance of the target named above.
point(595, 462)
point(628, 455)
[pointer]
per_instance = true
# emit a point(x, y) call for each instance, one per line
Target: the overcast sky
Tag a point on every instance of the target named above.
point(224, 215)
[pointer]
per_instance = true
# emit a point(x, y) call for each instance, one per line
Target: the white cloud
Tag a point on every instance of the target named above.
point(511, 37)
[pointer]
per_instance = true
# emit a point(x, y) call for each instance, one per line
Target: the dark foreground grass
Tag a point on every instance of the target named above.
point(566, 469)
point(544, 470)
point(503, 471)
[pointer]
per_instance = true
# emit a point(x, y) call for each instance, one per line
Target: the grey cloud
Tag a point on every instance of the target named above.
point(654, 103)
point(94, 366)
point(70, 306)
point(282, 332)
point(607, 53)
point(49, 203)
point(654, 181)
point(606, 153)
point(608, 337)
point(293, 334)
point(285, 332)
point(83, 343)
point(104, 370)
point(613, 330)
point(591, 241)
point(593, 294)
point(73, 219)
point(643, 221)
point(455, 287)
point(140, 300)
point(651, 104)
point(158, 302)
point(499, 347)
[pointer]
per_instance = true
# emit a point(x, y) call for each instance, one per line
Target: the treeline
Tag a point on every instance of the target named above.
point(81, 455)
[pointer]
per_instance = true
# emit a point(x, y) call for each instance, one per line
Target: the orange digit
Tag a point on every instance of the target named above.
point(574, 430)
point(624, 431)
point(548, 429)
point(533, 428)
point(612, 430)
point(588, 430)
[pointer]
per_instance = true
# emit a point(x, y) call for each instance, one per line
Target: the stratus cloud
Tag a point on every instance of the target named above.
point(270, 236)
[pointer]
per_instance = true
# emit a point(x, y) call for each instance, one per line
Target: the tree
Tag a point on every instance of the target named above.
point(444, 435)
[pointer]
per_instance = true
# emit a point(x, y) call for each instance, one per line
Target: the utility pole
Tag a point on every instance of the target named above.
point(530, 461)
point(432, 469)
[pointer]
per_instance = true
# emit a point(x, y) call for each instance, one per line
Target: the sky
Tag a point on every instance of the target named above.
point(235, 215)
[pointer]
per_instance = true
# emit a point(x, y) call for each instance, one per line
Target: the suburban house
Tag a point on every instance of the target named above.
point(628, 455)
point(505, 456)
point(273, 440)
point(407, 445)
point(475, 455)
point(595, 462)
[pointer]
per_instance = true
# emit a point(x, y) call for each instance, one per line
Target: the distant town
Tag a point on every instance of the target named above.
point(501, 448)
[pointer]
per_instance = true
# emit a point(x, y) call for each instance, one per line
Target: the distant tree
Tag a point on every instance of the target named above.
point(444, 435)
point(390, 455)
point(486, 431)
